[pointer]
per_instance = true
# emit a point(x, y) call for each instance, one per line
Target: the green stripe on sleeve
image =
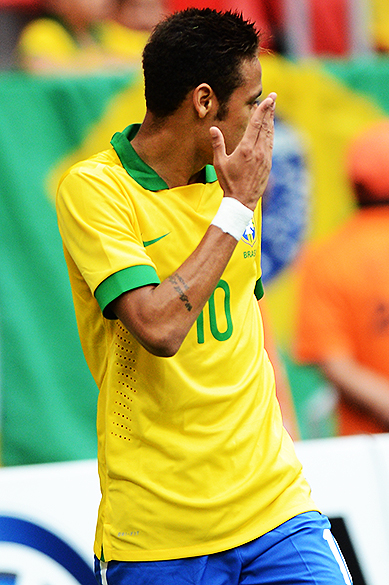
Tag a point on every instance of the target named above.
point(124, 280)
point(259, 291)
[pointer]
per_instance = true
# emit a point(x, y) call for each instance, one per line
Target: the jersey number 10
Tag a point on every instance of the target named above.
point(215, 331)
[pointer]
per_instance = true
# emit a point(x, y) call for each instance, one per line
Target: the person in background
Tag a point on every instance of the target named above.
point(141, 15)
point(131, 25)
point(67, 38)
point(200, 481)
point(343, 309)
point(86, 36)
point(14, 16)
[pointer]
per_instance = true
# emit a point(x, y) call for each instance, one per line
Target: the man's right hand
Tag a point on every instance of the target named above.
point(244, 173)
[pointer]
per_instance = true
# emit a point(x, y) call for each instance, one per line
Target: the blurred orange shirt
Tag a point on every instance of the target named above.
point(344, 304)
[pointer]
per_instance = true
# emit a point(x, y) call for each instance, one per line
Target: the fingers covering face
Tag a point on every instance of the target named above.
point(261, 124)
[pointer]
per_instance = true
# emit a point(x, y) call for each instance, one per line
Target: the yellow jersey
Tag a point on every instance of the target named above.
point(193, 456)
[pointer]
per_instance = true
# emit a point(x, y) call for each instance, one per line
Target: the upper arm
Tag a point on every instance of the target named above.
point(132, 308)
point(123, 281)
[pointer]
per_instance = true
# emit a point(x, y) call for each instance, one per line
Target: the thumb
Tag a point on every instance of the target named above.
point(218, 145)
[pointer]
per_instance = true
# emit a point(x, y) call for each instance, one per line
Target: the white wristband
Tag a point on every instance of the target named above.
point(232, 217)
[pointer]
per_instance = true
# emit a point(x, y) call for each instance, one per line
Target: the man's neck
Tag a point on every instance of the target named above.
point(169, 148)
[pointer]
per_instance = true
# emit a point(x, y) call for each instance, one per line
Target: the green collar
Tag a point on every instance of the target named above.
point(139, 170)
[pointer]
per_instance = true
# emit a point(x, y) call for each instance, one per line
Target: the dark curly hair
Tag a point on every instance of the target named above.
point(196, 46)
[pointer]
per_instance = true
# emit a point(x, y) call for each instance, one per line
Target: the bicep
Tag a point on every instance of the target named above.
point(133, 308)
point(150, 316)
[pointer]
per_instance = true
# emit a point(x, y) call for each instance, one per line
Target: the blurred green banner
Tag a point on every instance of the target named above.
point(48, 398)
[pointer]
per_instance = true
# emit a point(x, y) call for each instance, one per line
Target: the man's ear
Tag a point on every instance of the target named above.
point(204, 99)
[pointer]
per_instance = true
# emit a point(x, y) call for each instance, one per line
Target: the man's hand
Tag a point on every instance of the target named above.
point(244, 173)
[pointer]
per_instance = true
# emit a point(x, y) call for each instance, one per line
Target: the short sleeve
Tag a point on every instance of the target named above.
point(101, 233)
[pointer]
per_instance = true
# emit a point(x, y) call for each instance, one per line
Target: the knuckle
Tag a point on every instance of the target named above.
point(246, 151)
point(256, 123)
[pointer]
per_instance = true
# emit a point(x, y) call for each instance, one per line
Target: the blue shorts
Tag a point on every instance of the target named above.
point(300, 551)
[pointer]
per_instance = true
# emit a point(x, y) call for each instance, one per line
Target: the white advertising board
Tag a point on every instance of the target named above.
point(47, 523)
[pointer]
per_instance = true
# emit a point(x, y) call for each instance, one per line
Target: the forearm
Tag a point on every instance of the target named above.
point(160, 317)
point(361, 385)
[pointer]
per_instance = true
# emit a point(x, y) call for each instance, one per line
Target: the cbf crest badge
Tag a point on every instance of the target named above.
point(250, 234)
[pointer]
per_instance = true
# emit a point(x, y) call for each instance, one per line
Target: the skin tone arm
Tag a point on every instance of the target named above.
point(161, 316)
point(360, 385)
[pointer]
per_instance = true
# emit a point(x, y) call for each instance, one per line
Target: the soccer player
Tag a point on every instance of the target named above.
point(199, 479)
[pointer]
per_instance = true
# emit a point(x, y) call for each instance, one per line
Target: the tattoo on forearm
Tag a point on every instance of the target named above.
point(180, 287)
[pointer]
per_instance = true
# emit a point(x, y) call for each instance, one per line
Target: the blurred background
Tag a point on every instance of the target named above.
point(70, 76)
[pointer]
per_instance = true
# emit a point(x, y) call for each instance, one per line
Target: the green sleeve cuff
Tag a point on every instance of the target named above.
point(258, 291)
point(127, 279)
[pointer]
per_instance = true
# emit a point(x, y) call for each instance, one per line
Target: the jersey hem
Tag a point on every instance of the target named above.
point(204, 548)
